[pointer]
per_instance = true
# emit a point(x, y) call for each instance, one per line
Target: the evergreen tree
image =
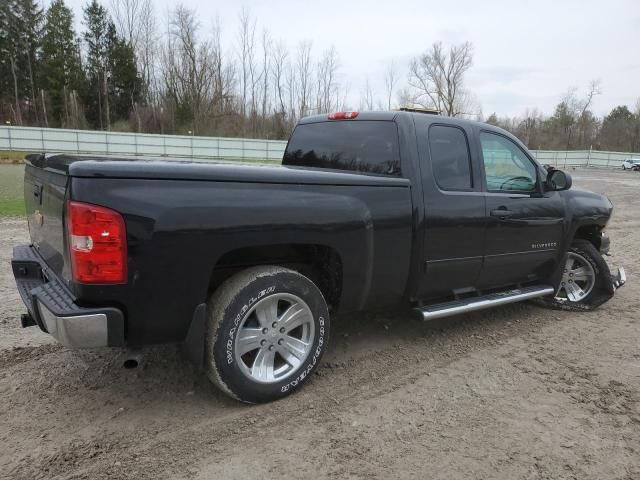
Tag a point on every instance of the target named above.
point(61, 71)
point(618, 131)
point(113, 82)
point(125, 84)
point(20, 37)
point(30, 17)
point(96, 21)
point(6, 89)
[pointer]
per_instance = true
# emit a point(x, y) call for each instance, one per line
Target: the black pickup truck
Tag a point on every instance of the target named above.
point(244, 265)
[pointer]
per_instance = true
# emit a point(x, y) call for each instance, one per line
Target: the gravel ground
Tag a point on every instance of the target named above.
point(514, 392)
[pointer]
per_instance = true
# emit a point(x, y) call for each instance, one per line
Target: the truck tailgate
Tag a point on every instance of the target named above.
point(45, 191)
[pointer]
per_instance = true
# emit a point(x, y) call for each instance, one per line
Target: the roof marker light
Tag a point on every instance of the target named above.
point(342, 115)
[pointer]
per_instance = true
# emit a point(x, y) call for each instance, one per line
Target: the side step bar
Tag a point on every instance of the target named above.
point(430, 312)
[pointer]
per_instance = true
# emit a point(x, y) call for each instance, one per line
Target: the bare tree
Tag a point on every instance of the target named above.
point(266, 67)
point(303, 77)
point(390, 82)
point(147, 50)
point(367, 97)
point(188, 67)
point(291, 81)
point(438, 77)
point(127, 15)
point(326, 80)
point(279, 61)
point(246, 54)
point(585, 118)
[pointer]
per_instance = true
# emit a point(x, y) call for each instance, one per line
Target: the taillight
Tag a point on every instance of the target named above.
point(97, 244)
point(342, 115)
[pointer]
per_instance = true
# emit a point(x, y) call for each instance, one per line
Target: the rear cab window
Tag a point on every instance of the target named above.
point(368, 146)
point(450, 159)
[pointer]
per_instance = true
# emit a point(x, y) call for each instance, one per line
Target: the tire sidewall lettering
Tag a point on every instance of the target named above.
point(238, 318)
point(312, 362)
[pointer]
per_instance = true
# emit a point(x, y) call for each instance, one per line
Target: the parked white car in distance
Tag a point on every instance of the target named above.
point(631, 164)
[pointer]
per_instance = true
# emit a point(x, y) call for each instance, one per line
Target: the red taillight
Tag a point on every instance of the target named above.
point(342, 115)
point(97, 244)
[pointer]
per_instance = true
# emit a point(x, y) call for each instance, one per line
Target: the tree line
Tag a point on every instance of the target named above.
point(573, 125)
point(126, 71)
point(51, 77)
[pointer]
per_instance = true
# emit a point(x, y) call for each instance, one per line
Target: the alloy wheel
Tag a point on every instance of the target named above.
point(578, 279)
point(274, 338)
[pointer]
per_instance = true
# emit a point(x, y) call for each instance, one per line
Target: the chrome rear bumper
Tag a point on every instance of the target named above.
point(53, 307)
point(78, 331)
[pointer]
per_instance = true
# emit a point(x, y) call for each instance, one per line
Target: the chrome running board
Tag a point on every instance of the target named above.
point(429, 312)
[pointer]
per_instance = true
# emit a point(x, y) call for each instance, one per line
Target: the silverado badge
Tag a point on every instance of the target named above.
point(538, 245)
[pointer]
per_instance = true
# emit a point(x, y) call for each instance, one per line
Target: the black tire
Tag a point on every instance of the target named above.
point(602, 289)
point(228, 306)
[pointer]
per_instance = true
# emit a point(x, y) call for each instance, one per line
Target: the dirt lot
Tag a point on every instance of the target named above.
point(516, 392)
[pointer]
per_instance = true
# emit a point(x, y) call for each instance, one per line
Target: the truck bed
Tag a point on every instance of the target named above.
point(180, 169)
point(190, 223)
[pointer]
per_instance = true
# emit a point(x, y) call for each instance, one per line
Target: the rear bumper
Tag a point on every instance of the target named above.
point(53, 307)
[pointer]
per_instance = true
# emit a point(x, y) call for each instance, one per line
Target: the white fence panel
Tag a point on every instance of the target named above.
point(30, 139)
point(583, 158)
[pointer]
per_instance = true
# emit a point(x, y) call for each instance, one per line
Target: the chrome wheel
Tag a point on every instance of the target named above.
point(578, 279)
point(274, 338)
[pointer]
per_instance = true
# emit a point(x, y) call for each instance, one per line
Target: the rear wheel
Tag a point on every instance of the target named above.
point(586, 281)
point(267, 330)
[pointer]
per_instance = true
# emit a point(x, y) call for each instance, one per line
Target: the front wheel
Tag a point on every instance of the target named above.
point(267, 330)
point(586, 281)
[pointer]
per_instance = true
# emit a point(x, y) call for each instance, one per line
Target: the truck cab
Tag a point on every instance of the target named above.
point(487, 215)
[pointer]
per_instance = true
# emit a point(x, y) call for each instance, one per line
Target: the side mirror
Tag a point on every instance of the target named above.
point(558, 180)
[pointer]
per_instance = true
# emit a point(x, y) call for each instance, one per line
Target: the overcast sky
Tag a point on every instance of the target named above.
point(527, 53)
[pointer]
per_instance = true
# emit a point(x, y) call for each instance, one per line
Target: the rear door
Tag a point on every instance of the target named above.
point(524, 224)
point(455, 221)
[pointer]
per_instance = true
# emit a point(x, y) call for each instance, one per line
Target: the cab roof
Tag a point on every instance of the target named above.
point(394, 114)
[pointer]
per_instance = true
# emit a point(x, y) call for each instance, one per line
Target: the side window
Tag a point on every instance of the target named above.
point(506, 167)
point(450, 157)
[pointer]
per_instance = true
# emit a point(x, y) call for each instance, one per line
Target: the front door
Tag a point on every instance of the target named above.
point(524, 224)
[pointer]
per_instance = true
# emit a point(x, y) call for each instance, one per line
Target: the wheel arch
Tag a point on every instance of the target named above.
point(591, 233)
point(322, 264)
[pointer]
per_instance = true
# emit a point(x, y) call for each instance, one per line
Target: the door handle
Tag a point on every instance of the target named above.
point(501, 213)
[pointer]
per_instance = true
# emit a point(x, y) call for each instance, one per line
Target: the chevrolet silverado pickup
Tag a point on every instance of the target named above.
point(245, 265)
